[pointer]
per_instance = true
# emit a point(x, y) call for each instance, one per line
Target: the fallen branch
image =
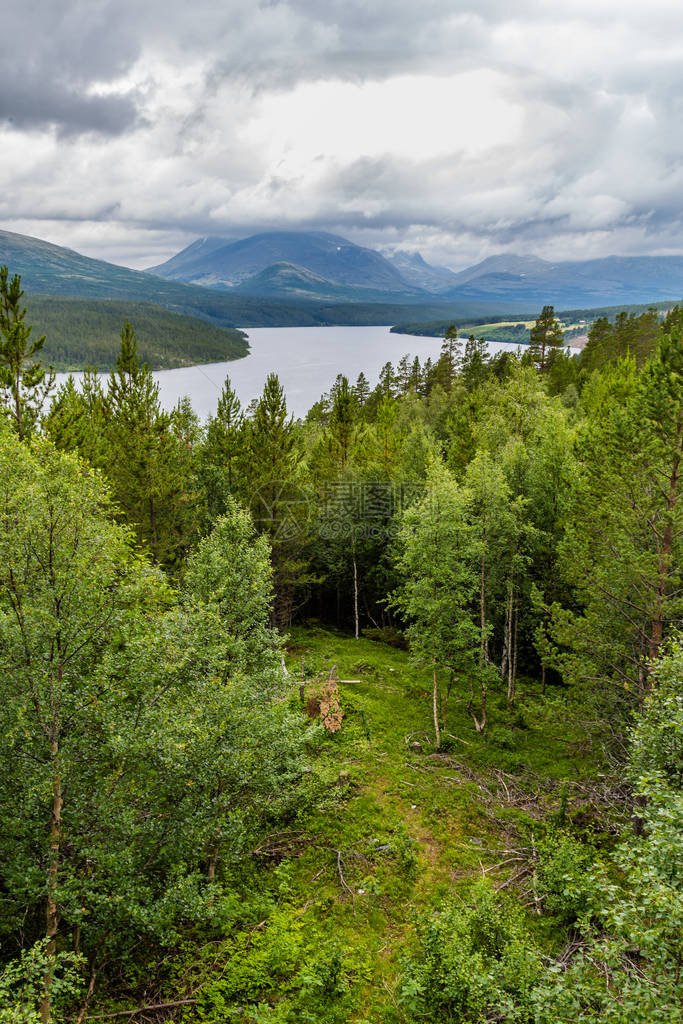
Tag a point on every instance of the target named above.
point(142, 1009)
point(344, 884)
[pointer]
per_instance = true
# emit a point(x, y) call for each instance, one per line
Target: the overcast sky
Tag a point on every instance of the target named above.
point(129, 128)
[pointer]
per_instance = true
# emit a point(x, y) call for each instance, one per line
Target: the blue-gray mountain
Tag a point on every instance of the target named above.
point(311, 264)
point(535, 282)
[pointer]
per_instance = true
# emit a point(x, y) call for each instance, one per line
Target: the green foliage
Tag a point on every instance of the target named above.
point(633, 334)
point(629, 968)
point(283, 973)
point(230, 573)
point(545, 338)
point(144, 451)
point(625, 570)
point(274, 493)
point(477, 962)
point(143, 774)
point(21, 984)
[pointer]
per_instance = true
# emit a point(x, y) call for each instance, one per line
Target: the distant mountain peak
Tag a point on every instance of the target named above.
point(334, 260)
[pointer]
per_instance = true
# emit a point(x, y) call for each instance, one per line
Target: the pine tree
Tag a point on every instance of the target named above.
point(449, 361)
point(545, 337)
point(76, 421)
point(275, 494)
point(148, 464)
point(361, 389)
point(24, 381)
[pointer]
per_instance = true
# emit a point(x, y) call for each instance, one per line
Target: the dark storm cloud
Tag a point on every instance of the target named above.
point(26, 105)
point(53, 57)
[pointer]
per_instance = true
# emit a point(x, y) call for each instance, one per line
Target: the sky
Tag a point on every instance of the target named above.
point(459, 130)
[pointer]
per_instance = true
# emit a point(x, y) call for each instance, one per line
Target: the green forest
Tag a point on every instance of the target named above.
point(373, 716)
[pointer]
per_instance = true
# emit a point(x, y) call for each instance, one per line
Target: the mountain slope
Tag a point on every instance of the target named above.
point(289, 280)
point(49, 269)
point(330, 257)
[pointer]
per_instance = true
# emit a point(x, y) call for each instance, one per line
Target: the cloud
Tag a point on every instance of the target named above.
point(128, 129)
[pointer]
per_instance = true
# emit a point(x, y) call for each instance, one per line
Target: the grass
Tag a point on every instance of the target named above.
point(404, 828)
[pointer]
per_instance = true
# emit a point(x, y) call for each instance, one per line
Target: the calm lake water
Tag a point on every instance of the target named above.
point(306, 359)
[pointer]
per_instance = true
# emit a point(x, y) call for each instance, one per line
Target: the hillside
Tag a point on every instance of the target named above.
point(82, 331)
point(289, 280)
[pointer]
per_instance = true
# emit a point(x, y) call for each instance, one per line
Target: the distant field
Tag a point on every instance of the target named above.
point(82, 331)
point(517, 330)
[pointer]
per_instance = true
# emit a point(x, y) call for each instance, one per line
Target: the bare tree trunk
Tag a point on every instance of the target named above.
point(479, 722)
point(509, 639)
point(505, 654)
point(513, 675)
point(435, 708)
point(484, 638)
point(355, 590)
point(153, 527)
point(657, 629)
point(51, 907)
point(449, 687)
point(543, 672)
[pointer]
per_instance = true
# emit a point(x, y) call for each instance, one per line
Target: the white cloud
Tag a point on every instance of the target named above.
point(446, 126)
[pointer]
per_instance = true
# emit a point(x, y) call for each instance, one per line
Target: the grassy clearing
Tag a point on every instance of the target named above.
point(402, 829)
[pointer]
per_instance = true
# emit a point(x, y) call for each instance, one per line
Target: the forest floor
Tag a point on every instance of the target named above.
point(401, 830)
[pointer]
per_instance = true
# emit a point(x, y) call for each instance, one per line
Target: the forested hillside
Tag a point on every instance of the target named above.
point(374, 716)
point(82, 332)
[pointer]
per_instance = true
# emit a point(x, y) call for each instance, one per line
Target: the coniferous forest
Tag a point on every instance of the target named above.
point(372, 716)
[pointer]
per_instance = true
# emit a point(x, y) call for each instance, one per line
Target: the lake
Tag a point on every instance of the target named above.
point(306, 359)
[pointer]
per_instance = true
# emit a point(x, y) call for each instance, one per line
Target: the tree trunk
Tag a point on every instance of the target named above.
point(513, 673)
point(51, 907)
point(479, 723)
point(153, 528)
point(449, 687)
point(482, 610)
point(657, 629)
point(355, 590)
point(509, 643)
point(435, 708)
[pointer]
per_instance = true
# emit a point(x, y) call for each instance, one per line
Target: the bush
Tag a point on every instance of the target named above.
point(562, 877)
point(477, 962)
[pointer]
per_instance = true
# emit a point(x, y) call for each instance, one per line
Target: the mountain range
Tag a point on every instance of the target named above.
point(280, 295)
point(307, 278)
point(317, 265)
